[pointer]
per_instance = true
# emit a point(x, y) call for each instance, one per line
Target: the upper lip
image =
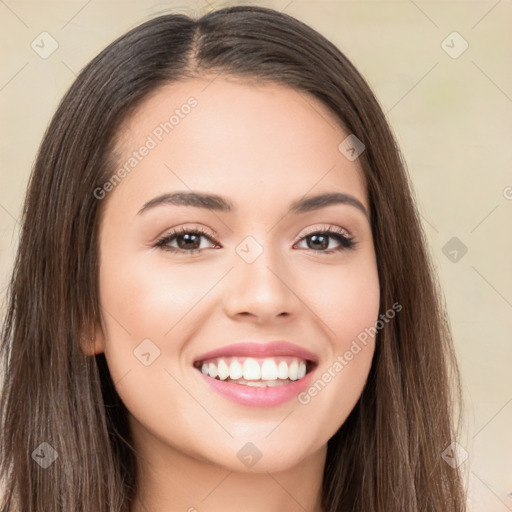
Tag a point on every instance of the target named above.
point(254, 349)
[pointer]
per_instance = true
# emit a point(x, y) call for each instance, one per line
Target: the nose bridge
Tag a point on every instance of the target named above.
point(259, 280)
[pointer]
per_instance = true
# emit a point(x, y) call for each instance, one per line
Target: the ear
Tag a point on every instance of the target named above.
point(92, 345)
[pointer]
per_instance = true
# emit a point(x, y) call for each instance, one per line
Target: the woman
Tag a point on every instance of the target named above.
point(222, 296)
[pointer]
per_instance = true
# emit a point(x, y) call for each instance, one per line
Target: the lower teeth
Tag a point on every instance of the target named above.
point(259, 383)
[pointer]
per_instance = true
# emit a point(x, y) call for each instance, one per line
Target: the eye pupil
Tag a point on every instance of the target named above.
point(189, 239)
point(314, 238)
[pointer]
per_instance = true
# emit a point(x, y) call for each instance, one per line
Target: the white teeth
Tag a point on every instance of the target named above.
point(212, 370)
point(269, 370)
point(272, 383)
point(293, 369)
point(235, 370)
point(282, 370)
point(223, 369)
point(264, 384)
point(251, 372)
point(302, 370)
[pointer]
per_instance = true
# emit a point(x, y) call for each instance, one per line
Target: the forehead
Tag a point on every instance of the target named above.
point(236, 137)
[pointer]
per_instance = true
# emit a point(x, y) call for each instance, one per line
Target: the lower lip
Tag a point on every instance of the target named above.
point(253, 396)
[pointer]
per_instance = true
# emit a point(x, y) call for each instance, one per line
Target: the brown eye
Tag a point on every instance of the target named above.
point(318, 241)
point(187, 241)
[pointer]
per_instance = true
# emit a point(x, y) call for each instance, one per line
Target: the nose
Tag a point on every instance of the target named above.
point(261, 291)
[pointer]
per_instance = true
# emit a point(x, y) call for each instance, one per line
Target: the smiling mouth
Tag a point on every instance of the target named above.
point(256, 372)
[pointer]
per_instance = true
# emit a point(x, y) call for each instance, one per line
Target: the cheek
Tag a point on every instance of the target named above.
point(149, 300)
point(354, 309)
point(346, 298)
point(141, 304)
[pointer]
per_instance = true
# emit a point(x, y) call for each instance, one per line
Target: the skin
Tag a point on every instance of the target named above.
point(261, 146)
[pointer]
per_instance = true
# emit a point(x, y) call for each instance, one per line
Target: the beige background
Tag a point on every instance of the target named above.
point(452, 117)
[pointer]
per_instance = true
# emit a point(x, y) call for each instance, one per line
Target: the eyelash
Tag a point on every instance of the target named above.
point(346, 242)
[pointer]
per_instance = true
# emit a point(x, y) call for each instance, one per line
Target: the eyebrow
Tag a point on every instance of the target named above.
point(221, 204)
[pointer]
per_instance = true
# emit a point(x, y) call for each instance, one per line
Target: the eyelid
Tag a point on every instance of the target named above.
point(176, 230)
point(342, 235)
point(333, 231)
point(209, 233)
point(172, 233)
point(327, 227)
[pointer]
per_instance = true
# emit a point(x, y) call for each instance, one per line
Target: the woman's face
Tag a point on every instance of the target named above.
point(265, 272)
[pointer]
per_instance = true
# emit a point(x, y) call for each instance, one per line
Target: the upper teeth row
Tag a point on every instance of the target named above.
point(252, 369)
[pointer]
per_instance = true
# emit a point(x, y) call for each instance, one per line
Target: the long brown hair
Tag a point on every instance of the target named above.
point(387, 456)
